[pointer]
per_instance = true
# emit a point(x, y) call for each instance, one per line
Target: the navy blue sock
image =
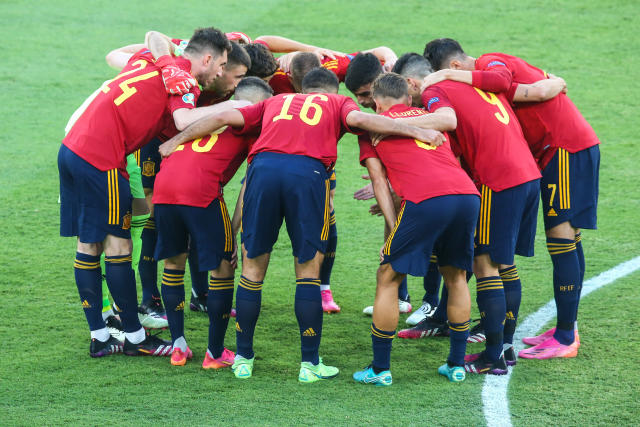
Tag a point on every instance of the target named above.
point(581, 261)
point(121, 281)
point(330, 254)
point(512, 296)
point(173, 299)
point(458, 334)
point(580, 253)
point(440, 314)
point(148, 266)
point(431, 283)
point(403, 290)
point(248, 301)
point(381, 342)
point(566, 286)
point(219, 301)
point(308, 308)
point(199, 279)
point(492, 306)
point(89, 281)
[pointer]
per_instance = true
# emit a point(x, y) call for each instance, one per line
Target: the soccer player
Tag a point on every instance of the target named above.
point(238, 63)
point(288, 166)
point(362, 72)
point(191, 216)
point(94, 192)
point(439, 211)
point(566, 150)
point(492, 146)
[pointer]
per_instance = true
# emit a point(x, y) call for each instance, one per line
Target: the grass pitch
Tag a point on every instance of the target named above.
point(55, 58)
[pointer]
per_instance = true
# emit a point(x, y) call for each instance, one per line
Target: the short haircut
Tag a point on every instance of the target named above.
point(253, 89)
point(440, 51)
point(301, 64)
point(412, 65)
point(390, 85)
point(362, 70)
point(263, 64)
point(238, 56)
point(208, 40)
point(320, 80)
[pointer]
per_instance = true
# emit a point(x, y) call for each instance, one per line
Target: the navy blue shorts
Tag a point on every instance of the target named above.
point(332, 179)
point(569, 188)
point(507, 222)
point(207, 231)
point(441, 225)
point(93, 203)
point(290, 187)
point(149, 162)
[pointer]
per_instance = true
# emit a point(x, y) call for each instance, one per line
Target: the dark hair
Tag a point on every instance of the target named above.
point(439, 51)
point(301, 64)
point(362, 70)
point(208, 39)
point(321, 80)
point(253, 87)
point(263, 64)
point(412, 65)
point(390, 85)
point(238, 56)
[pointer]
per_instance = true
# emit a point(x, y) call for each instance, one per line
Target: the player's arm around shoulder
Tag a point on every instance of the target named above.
point(384, 125)
point(540, 91)
point(202, 127)
point(183, 117)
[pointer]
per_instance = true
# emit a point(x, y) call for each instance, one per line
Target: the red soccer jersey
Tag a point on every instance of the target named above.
point(548, 125)
point(280, 82)
point(488, 134)
point(417, 171)
point(132, 109)
point(303, 124)
point(195, 173)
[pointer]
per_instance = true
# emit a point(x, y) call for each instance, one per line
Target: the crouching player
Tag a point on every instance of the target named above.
point(288, 168)
point(440, 206)
point(188, 204)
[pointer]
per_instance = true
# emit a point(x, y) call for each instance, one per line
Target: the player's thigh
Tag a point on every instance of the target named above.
point(307, 209)
point(262, 211)
point(104, 203)
point(173, 234)
point(211, 234)
point(411, 241)
point(499, 221)
point(454, 244)
point(569, 188)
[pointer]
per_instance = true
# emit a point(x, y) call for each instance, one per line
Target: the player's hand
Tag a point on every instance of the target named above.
point(167, 148)
point(432, 79)
point(176, 81)
point(284, 61)
point(376, 138)
point(366, 192)
point(389, 61)
point(382, 252)
point(430, 136)
point(375, 210)
point(322, 53)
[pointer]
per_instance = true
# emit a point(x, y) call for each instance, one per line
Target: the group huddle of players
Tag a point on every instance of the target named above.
point(459, 153)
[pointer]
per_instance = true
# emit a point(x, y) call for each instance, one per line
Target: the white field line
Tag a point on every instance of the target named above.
point(495, 402)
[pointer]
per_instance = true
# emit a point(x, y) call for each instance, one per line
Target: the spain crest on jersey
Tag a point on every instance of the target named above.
point(126, 221)
point(148, 168)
